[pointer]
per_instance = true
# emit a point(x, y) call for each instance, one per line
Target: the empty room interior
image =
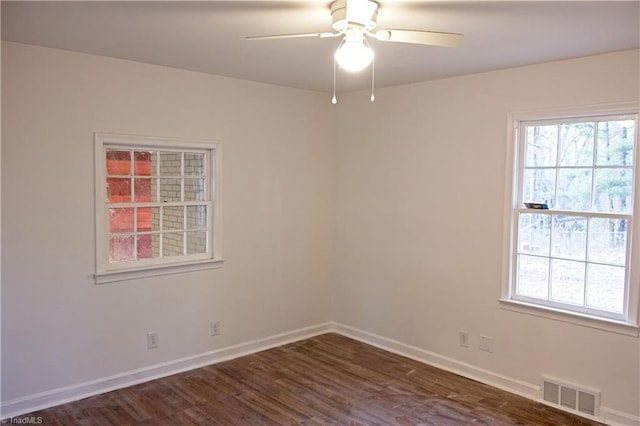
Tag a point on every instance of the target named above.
point(394, 212)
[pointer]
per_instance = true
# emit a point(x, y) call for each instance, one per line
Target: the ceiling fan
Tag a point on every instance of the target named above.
point(354, 21)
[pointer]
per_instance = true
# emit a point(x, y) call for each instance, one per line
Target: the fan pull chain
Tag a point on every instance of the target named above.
point(373, 78)
point(334, 100)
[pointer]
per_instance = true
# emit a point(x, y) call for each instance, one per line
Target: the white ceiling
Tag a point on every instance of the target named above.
point(208, 36)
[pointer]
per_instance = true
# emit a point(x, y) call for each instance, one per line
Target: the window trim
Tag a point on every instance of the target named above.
point(630, 324)
point(105, 272)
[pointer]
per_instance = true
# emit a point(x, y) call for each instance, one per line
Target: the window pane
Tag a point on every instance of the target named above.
point(193, 164)
point(119, 190)
point(170, 190)
point(148, 245)
point(576, 144)
point(605, 288)
point(574, 189)
point(173, 244)
point(539, 186)
point(196, 217)
point(534, 234)
point(148, 219)
point(567, 281)
point(613, 190)
point(615, 143)
point(144, 189)
point(194, 190)
point(170, 163)
point(118, 162)
point(541, 146)
point(121, 249)
point(608, 240)
point(173, 217)
point(143, 163)
point(569, 237)
point(533, 277)
point(196, 242)
point(120, 220)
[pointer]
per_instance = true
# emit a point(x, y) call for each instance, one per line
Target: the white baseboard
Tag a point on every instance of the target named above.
point(618, 418)
point(31, 403)
point(59, 396)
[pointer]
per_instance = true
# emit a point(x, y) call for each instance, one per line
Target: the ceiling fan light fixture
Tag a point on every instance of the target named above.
point(353, 56)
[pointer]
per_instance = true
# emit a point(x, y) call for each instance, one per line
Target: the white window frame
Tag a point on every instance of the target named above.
point(111, 272)
point(627, 323)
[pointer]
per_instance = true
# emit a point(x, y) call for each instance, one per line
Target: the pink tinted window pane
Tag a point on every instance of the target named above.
point(119, 190)
point(121, 249)
point(144, 219)
point(142, 163)
point(145, 246)
point(148, 219)
point(118, 162)
point(120, 220)
point(144, 192)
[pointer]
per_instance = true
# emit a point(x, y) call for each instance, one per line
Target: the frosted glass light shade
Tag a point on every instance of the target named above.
point(354, 56)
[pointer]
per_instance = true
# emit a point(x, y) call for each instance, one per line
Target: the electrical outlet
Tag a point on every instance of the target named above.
point(214, 328)
point(464, 339)
point(152, 340)
point(486, 343)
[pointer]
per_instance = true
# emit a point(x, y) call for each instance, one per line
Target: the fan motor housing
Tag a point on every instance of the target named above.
point(339, 20)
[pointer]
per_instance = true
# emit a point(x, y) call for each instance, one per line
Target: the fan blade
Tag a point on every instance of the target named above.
point(270, 37)
point(431, 38)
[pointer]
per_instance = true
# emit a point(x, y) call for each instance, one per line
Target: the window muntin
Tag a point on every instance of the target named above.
point(155, 203)
point(575, 256)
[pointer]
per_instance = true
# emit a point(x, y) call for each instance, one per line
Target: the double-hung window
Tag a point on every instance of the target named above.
point(573, 214)
point(157, 206)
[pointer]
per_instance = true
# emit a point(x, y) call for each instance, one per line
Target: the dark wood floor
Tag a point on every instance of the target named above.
point(328, 379)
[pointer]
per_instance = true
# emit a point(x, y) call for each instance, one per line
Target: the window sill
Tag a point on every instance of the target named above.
point(613, 326)
point(154, 271)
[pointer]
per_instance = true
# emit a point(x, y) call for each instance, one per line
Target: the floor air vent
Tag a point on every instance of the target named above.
point(570, 396)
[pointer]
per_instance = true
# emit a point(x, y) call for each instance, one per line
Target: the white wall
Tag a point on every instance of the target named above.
point(58, 327)
point(417, 260)
point(358, 213)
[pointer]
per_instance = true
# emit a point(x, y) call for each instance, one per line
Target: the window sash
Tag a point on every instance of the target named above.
point(586, 261)
point(162, 231)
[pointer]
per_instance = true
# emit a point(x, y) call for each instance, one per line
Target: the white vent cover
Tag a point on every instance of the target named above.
point(570, 397)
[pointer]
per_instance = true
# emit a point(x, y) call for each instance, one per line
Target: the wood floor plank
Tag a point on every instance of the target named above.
point(325, 380)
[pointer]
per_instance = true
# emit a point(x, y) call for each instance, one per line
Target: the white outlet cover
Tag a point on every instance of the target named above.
point(152, 340)
point(464, 339)
point(486, 343)
point(214, 328)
